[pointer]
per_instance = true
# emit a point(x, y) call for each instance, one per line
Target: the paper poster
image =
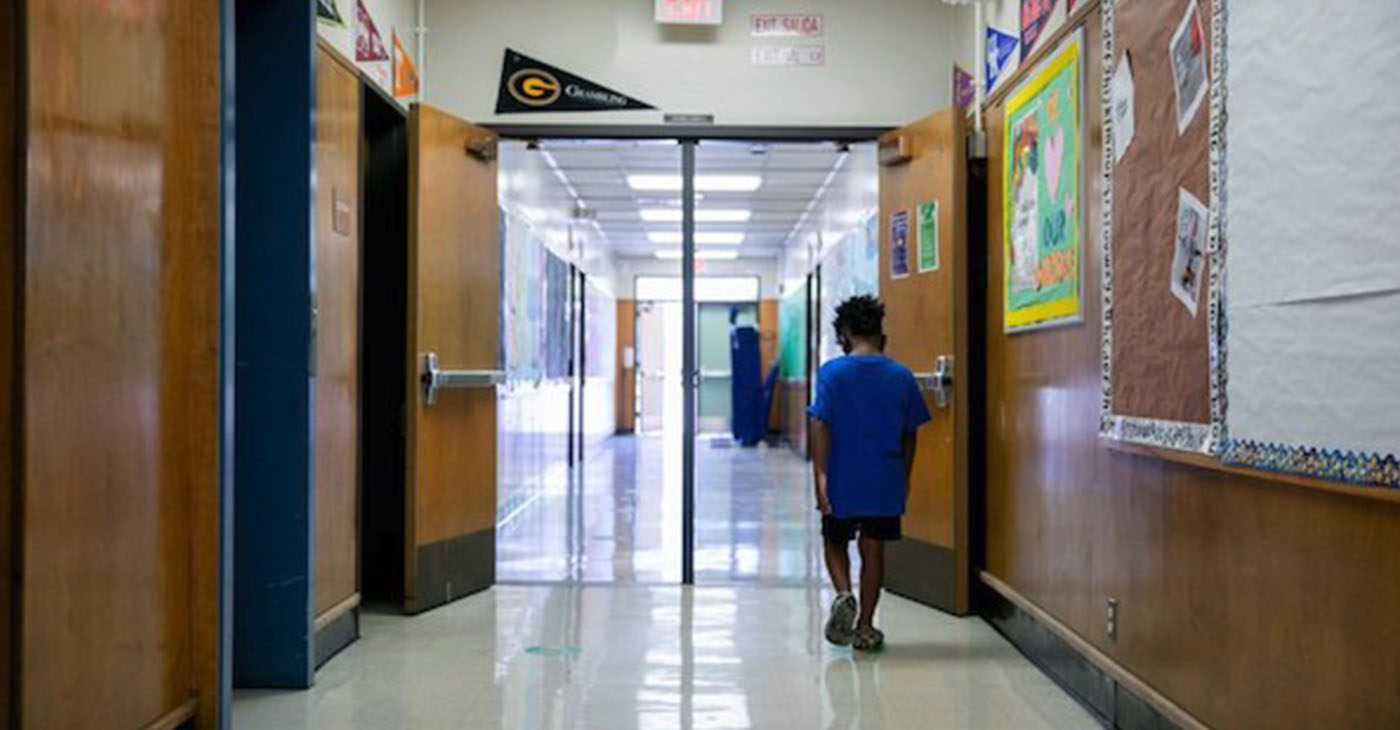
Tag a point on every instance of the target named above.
point(405, 74)
point(963, 93)
point(1120, 93)
point(899, 244)
point(1000, 47)
point(1041, 194)
point(1189, 251)
point(1035, 15)
point(1188, 51)
point(327, 12)
point(928, 236)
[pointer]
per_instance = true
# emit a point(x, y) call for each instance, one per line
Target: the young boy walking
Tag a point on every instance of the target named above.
point(864, 430)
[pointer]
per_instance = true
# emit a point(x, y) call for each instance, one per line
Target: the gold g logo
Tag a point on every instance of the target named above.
point(533, 87)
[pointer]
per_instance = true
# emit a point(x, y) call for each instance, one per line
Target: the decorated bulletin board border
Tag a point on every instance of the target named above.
point(1198, 437)
point(1043, 271)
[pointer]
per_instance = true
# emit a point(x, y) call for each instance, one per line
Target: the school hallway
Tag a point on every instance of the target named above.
point(587, 629)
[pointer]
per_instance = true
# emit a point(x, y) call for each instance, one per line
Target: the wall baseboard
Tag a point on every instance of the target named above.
point(1112, 694)
point(340, 629)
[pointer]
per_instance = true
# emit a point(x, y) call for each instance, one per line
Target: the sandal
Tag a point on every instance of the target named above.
point(868, 638)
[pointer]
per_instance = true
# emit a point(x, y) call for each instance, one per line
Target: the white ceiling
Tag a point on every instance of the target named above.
point(556, 176)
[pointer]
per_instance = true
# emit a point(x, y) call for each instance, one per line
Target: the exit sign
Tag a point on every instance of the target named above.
point(690, 12)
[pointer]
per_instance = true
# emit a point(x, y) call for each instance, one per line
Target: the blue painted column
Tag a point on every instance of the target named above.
point(273, 536)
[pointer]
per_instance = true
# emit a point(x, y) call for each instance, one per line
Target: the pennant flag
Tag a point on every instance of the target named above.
point(405, 75)
point(528, 85)
point(1035, 14)
point(369, 45)
point(1000, 47)
point(327, 12)
point(963, 93)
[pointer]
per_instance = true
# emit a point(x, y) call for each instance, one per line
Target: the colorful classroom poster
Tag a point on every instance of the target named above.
point(370, 50)
point(1041, 194)
point(963, 93)
point(1035, 15)
point(1000, 47)
point(899, 245)
point(928, 236)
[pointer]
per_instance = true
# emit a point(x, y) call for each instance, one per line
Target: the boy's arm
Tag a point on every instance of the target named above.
point(821, 449)
point(909, 444)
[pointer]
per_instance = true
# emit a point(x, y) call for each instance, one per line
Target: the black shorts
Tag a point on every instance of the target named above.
point(842, 529)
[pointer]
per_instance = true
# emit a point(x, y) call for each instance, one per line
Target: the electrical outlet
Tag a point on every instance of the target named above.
point(1111, 619)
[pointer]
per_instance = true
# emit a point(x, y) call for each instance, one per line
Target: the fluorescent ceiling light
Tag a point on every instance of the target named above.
point(709, 183)
point(673, 255)
point(719, 238)
point(702, 215)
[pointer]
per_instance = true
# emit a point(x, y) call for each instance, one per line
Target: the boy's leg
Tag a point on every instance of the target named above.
point(838, 565)
point(872, 578)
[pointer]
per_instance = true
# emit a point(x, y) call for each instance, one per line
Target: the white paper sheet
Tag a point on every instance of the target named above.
point(1313, 224)
point(1121, 105)
point(1189, 249)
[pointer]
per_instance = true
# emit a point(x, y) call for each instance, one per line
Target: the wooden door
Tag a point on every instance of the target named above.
point(453, 312)
point(117, 277)
point(336, 358)
point(926, 318)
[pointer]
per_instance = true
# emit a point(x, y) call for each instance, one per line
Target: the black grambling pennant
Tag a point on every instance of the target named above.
point(528, 85)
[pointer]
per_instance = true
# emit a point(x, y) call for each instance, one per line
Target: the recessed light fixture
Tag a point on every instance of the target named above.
point(671, 254)
point(702, 215)
point(721, 238)
point(706, 183)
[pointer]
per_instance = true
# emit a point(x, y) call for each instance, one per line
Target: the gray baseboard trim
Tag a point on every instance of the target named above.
point(336, 634)
point(922, 572)
point(1115, 697)
point(452, 569)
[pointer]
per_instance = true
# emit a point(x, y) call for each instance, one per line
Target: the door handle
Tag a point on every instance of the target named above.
point(940, 381)
point(434, 378)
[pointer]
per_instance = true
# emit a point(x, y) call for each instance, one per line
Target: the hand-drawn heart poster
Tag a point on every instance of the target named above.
point(1041, 192)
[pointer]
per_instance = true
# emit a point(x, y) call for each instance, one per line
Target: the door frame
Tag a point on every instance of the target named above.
point(689, 137)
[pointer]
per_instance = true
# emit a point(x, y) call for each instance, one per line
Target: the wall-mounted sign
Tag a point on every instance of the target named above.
point(528, 85)
point(690, 12)
point(787, 56)
point(779, 25)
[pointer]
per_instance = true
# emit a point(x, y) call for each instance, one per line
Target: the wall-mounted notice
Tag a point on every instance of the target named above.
point(1035, 15)
point(787, 56)
point(899, 245)
point(1120, 106)
point(1188, 51)
point(1041, 194)
point(780, 25)
point(690, 12)
point(928, 236)
point(1189, 253)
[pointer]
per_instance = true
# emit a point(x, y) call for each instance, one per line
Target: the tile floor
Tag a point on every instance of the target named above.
point(589, 631)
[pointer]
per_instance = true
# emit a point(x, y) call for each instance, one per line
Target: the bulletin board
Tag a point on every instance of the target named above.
point(1313, 297)
point(1042, 273)
point(1163, 264)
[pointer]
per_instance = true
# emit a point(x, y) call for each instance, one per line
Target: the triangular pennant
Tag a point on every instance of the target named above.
point(963, 93)
point(369, 45)
point(1035, 15)
point(405, 74)
point(1000, 47)
point(327, 12)
point(528, 85)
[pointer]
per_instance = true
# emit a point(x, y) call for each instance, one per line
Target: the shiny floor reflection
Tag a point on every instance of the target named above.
point(619, 518)
point(665, 658)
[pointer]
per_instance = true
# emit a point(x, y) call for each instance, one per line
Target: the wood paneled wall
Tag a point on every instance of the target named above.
point(119, 574)
point(626, 376)
point(10, 209)
point(337, 260)
point(1248, 601)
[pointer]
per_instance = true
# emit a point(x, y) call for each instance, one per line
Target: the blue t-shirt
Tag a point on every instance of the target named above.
point(869, 403)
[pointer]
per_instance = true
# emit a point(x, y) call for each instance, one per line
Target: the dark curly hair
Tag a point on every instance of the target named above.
point(860, 316)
